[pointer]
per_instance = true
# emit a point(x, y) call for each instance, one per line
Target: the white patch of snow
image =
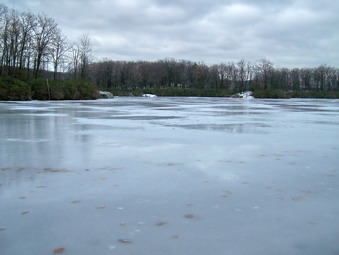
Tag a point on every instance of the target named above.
point(105, 94)
point(148, 95)
point(245, 94)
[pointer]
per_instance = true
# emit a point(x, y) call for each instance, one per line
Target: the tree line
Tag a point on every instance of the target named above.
point(240, 76)
point(33, 46)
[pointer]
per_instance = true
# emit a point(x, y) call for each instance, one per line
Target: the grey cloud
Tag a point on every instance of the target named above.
point(289, 33)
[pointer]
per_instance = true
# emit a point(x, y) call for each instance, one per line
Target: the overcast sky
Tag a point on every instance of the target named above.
point(290, 33)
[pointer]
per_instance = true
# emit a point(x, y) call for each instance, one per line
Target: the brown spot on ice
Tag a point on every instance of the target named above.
point(56, 170)
point(75, 201)
point(59, 250)
point(297, 198)
point(2, 229)
point(175, 237)
point(161, 223)
point(24, 213)
point(21, 197)
point(170, 164)
point(41, 187)
point(125, 241)
point(189, 216)
point(100, 207)
point(225, 161)
point(226, 193)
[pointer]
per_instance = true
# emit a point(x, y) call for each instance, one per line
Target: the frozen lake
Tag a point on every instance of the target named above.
point(172, 176)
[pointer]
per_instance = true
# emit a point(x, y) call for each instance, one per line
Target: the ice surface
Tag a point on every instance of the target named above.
point(169, 176)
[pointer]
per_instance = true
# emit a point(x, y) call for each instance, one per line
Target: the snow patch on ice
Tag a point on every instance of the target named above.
point(27, 140)
point(245, 94)
point(105, 94)
point(46, 114)
point(148, 95)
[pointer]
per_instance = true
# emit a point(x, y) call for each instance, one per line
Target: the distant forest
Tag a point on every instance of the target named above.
point(33, 46)
point(240, 76)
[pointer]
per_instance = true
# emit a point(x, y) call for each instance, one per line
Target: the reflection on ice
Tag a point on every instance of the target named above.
point(26, 140)
point(232, 128)
point(169, 176)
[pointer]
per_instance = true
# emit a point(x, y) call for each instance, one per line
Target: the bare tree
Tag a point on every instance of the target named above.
point(241, 66)
point(14, 40)
point(28, 22)
point(43, 35)
point(249, 73)
point(4, 18)
point(75, 60)
point(264, 72)
point(60, 47)
point(85, 57)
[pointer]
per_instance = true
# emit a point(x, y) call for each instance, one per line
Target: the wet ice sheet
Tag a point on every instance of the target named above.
point(169, 176)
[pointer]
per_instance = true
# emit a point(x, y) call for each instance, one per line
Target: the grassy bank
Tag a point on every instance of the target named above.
point(262, 93)
point(271, 93)
point(173, 92)
point(12, 89)
point(315, 94)
point(41, 89)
